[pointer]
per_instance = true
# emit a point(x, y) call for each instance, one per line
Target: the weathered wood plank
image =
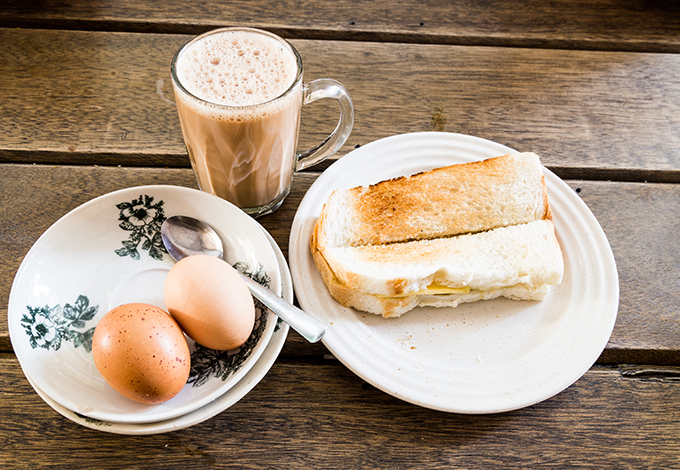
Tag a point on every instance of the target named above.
point(323, 416)
point(588, 114)
point(605, 24)
point(641, 223)
point(646, 252)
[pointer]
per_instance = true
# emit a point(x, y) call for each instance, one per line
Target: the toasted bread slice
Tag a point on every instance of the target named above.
point(518, 262)
point(462, 198)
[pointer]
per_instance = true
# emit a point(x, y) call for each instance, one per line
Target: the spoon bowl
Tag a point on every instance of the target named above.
point(186, 236)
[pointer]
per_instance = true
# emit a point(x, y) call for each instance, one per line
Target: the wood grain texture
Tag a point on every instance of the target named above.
point(590, 85)
point(322, 416)
point(636, 25)
point(646, 330)
point(582, 112)
point(647, 263)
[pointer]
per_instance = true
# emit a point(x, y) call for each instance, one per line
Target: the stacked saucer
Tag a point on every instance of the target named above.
point(108, 252)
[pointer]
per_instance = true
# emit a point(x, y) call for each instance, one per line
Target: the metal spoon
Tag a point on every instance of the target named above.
point(185, 236)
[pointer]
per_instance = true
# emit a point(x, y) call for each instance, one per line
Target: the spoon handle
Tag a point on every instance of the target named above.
point(305, 324)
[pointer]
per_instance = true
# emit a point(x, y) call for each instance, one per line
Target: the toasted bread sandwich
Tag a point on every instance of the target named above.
point(455, 234)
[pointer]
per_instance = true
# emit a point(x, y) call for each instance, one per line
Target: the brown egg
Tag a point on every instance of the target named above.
point(142, 353)
point(210, 302)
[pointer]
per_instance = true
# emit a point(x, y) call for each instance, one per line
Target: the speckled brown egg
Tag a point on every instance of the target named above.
point(142, 353)
point(210, 301)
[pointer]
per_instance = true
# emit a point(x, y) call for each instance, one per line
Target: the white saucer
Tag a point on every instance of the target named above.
point(108, 252)
point(223, 402)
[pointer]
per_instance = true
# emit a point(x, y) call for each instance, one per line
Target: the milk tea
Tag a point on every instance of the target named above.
point(241, 132)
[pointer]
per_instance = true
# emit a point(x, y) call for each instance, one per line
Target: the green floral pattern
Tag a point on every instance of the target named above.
point(143, 219)
point(48, 327)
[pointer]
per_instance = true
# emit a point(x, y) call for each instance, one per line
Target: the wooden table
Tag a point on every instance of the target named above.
point(593, 87)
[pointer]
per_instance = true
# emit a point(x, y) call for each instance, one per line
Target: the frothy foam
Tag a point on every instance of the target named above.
point(237, 68)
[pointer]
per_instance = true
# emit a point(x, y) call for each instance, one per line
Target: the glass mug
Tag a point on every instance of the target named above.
point(239, 93)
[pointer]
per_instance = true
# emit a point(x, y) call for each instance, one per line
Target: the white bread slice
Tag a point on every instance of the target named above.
point(518, 262)
point(462, 198)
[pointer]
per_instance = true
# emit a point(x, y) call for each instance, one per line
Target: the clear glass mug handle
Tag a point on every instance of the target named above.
point(327, 88)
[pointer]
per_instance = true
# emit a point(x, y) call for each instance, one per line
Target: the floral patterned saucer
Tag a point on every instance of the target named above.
point(221, 403)
point(108, 252)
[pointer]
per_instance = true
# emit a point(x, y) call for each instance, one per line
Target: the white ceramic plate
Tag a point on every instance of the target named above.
point(221, 403)
point(483, 357)
point(108, 252)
